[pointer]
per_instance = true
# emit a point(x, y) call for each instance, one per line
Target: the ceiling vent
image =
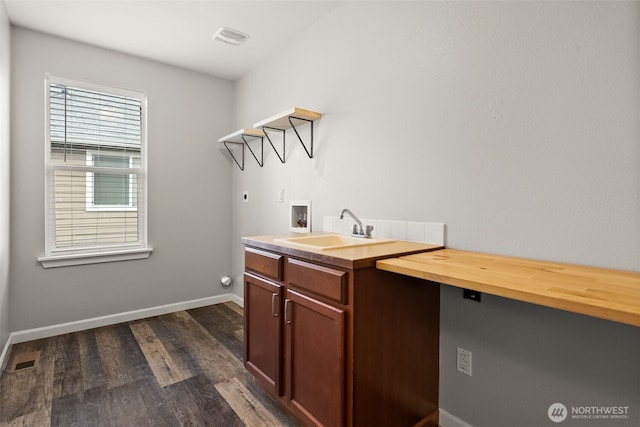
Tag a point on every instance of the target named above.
point(230, 36)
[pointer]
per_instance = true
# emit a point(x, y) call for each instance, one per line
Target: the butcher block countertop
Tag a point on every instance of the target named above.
point(607, 294)
point(349, 257)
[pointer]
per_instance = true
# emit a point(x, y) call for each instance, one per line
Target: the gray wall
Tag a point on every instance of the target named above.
point(4, 174)
point(188, 190)
point(515, 123)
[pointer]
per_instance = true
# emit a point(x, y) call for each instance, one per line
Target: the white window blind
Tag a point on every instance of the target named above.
point(95, 168)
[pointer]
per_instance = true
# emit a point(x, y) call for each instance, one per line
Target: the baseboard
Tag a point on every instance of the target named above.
point(448, 420)
point(4, 356)
point(112, 319)
point(235, 298)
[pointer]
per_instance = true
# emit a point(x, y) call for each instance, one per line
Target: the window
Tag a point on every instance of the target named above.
point(108, 192)
point(95, 173)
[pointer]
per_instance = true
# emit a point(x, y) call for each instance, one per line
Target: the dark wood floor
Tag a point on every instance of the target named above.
point(179, 369)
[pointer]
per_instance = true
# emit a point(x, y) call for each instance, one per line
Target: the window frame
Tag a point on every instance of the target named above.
point(58, 257)
point(90, 189)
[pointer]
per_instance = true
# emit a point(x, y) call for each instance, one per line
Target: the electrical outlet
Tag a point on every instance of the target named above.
point(464, 361)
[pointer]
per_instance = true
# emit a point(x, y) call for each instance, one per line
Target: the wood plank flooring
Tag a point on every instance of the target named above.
point(179, 369)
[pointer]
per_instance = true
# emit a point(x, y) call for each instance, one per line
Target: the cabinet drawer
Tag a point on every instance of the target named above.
point(320, 280)
point(265, 263)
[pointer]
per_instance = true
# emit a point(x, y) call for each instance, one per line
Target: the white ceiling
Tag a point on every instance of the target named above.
point(177, 32)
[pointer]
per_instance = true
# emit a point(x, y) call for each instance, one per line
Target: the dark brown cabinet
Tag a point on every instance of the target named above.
point(263, 346)
point(341, 343)
point(316, 348)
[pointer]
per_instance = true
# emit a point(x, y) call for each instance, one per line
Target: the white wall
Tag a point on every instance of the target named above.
point(5, 48)
point(516, 124)
point(188, 188)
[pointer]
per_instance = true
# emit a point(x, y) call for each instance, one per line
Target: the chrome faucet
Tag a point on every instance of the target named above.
point(358, 229)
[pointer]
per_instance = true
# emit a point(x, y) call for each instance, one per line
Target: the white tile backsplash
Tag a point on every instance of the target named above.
point(422, 232)
point(398, 230)
point(383, 230)
point(337, 225)
point(415, 231)
point(434, 233)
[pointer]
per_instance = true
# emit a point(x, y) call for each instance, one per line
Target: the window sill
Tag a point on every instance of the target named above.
point(94, 258)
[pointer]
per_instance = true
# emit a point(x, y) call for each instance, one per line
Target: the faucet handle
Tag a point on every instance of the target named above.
point(369, 230)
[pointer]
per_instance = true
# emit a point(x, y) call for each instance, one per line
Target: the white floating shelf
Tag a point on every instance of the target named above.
point(236, 137)
point(281, 121)
point(284, 121)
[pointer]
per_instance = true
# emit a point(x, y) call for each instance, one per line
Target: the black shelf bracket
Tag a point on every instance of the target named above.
point(261, 161)
point(246, 144)
point(240, 165)
point(310, 150)
point(264, 129)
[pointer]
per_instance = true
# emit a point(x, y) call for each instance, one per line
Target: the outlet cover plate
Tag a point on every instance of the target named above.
point(463, 361)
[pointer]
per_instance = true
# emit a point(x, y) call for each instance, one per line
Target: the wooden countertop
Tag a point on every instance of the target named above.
point(350, 257)
point(607, 294)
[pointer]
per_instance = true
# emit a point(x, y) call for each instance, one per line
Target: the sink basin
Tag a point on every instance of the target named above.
point(331, 241)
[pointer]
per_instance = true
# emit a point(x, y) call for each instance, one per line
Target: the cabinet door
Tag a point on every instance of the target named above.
point(316, 347)
point(263, 332)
